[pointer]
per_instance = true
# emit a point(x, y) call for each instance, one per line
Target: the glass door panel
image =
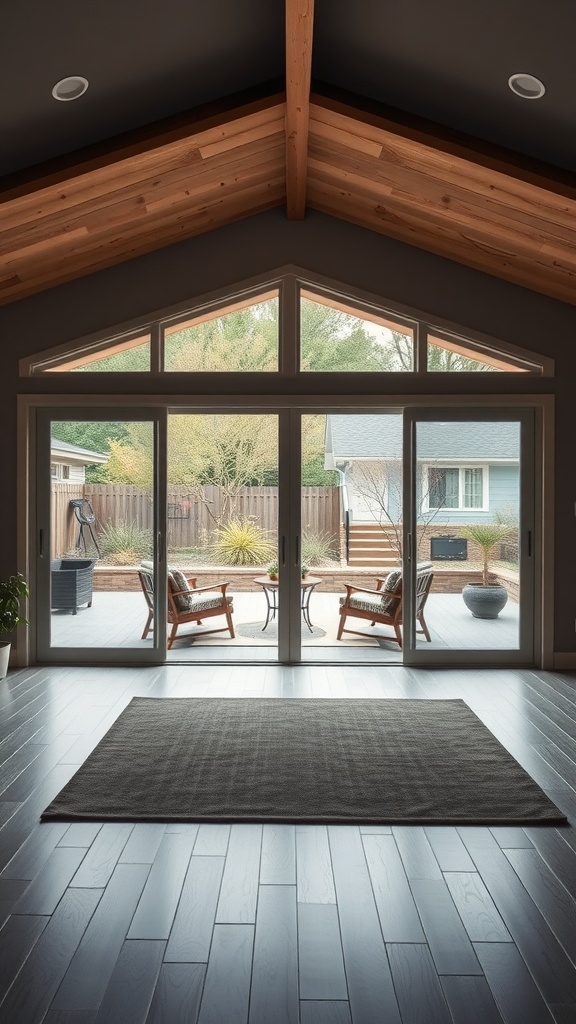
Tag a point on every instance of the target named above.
point(471, 483)
point(222, 530)
point(98, 516)
point(351, 513)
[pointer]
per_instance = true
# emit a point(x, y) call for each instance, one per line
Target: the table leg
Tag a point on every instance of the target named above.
point(306, 591)
point(270, 605)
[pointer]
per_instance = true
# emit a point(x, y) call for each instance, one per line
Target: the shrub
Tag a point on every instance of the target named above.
point(124, 543)
point(241, 542)
point(318, 549)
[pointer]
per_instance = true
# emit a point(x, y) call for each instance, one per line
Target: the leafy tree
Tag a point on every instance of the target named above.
point(230, 451)
point(93, 435)
point(380, 485)
point(332, 340)
point(243, 341)
point(131, 360)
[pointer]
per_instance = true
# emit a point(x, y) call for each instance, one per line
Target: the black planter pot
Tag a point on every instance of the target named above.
point(484, 602)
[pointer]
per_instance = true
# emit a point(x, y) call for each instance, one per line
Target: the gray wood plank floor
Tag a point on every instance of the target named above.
point(281, 924)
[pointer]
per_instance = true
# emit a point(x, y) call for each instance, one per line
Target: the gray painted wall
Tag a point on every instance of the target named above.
point(342, 251)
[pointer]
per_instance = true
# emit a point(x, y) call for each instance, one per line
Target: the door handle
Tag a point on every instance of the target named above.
point(297, 552)
point(41, 543)
point(283, 551)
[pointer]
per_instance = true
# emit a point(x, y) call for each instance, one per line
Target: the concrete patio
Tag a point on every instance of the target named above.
point(116, 620)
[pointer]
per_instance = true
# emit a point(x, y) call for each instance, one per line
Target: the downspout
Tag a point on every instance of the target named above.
point(346, 510)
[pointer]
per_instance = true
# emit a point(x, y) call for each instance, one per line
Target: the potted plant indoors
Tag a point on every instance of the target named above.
point(486, 599)
point(12, 592)
point(272, 570)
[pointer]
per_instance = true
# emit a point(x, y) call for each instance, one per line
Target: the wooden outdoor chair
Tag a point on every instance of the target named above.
point(187, 603)
point(383, 605)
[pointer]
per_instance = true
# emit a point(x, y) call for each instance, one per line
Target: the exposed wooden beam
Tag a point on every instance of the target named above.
point(299, 31)
point(140, 195)
point(483, 209)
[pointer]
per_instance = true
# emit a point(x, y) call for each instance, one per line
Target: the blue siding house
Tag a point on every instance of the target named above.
point(467, 472)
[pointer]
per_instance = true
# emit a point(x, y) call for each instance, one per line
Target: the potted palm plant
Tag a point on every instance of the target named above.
point(486, 599)
point(12, 592)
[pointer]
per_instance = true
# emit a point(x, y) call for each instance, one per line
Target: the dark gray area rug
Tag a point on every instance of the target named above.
point(342, 761)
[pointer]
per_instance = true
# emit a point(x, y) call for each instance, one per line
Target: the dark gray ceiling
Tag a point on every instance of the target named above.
point(144, 60)
point(447, 61)
point(450, 61)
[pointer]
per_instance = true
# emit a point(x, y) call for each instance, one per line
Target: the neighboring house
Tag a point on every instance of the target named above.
point(465, 474)
point(68, 461)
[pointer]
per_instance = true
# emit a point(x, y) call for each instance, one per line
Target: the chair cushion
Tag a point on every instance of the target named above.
point(392, 580)
point(209, 599)
point(178, 582)
point(378, 605)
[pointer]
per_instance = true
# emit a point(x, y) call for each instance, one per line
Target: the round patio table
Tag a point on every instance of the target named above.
point(270, 588)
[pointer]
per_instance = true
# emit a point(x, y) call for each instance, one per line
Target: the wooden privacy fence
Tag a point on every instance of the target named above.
point(192, 514)
point(64, 526)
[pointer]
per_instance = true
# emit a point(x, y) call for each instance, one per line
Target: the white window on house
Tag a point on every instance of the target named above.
point(458, 488)
point(65, 472)
point(54, 471)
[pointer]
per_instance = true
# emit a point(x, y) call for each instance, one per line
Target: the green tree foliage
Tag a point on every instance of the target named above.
point(243, 341)
point(131, 360)
point(95, 436)
point(333, 341)
point(441, 360)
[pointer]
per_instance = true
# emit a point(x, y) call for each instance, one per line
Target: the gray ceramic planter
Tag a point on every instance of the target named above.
point(484, 602)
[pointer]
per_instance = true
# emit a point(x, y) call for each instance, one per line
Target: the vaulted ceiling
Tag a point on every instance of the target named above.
point(199, 114)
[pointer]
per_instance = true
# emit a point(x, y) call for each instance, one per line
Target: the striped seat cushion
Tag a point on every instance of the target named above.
point(178, 582)
point(209, 599)
point(378, 605)
point(371, 603)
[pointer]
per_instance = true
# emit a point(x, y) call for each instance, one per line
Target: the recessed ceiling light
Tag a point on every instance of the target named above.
point(526, 86)
point(70, 88)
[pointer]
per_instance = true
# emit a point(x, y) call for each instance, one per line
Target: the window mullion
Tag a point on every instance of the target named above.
point(289, 327)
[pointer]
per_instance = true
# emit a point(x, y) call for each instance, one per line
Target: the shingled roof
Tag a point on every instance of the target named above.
point(380, 436)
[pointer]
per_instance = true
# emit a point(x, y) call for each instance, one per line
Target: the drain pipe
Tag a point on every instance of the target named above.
point(346, 510)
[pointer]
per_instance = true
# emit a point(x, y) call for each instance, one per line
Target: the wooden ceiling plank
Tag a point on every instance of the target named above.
point(559, 284)
point(493, 206)
point(356, 142)
point(17, 288)
point(471, 151)
point(522, 233)
point(268, 168)
point(407, 153)
point(132, 199)
point(44, 200)
point(299, 32)
point(520, 251)
point(176, 219)
point(243, 139)
point(111, 179)
point(172, 141)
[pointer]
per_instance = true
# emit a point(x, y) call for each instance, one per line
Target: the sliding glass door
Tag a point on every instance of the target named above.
point(336, 535)
point(100, 521)
point(469, 536)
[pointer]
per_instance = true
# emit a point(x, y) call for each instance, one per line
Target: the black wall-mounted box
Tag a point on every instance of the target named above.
point(448, 549)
